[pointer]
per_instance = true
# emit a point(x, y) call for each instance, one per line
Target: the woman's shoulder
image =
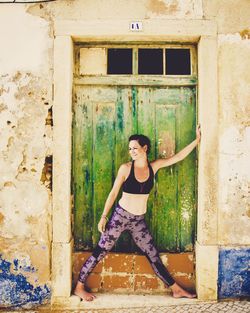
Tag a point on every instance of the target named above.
point(126, 166)
point(153, 164)
point(125, 169)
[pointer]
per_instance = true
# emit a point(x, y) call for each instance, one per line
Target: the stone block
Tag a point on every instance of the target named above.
point(145, 283)
point(118, 262)
point(142, 265)
point(62, 269)
point(178, 262)
point(79, 258)
point(208, 148)
point(94, 282)
point(206, 272)
point(117, 282)
point(62, 115)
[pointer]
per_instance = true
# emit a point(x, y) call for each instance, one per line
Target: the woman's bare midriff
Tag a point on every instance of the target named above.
point(133, 203)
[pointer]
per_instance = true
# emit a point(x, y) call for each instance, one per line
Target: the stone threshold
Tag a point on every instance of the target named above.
point(120, 301)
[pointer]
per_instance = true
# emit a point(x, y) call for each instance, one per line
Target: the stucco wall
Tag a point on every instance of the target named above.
point(26, 71)
point(234, 148)
point(25, 156)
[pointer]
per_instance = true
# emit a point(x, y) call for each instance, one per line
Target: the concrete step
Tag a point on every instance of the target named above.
point(115, 301)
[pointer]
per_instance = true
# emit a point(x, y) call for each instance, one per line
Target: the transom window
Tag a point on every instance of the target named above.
point(140, 60)
point(120, 61)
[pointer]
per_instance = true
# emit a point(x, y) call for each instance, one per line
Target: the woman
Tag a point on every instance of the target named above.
point(136, 179)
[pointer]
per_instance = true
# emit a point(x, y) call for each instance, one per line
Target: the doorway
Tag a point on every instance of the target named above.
point(118, 91)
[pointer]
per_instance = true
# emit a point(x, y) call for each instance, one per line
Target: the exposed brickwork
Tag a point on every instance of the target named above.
point(119, 263)
point(121, 272)
point(142, 266)
point(94, 281)
point(182, 262)
point(144, 283)
point(116, 282)
point(78, 260)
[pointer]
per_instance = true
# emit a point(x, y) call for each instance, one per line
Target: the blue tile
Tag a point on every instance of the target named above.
point(234, 273)
point(16, 291)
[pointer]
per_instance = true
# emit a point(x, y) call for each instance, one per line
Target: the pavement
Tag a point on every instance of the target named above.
point(114, 303)
point(206, 307)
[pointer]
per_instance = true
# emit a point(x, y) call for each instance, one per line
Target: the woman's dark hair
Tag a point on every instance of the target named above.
point(142, 140)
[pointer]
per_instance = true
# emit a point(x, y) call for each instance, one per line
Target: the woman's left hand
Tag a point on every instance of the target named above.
point(102, 224)
point(198, 133)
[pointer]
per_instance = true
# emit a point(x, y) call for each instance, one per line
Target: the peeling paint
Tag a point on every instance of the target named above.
point(1, 218)
point(248, 213)
point(245, 34)
point(46, 177)
point(128, 9)
point(25, 98)
point(49, 119)
point(16, 290)
point(234, 273)
point(159, 7)
point(175, 8)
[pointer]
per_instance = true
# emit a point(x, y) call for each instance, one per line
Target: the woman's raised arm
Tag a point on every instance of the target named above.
point(160, 163)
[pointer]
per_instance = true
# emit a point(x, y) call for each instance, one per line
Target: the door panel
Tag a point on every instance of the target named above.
point(186, 171)
point(167, 194)
point(82, 171)
point(102, 158)
point(103, 119)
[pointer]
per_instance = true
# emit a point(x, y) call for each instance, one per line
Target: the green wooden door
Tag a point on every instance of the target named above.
point(103, 119)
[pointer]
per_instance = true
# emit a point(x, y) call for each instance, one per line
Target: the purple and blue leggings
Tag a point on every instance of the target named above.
point(120, 221)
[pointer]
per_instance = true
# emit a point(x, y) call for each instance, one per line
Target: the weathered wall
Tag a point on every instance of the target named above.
point(144, 9)
point(234, 148)
point(25, 157)
point(234, 280)
point(26, 69)
point(234, 175)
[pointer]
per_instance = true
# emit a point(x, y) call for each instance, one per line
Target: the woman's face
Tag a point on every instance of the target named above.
point(136, 151)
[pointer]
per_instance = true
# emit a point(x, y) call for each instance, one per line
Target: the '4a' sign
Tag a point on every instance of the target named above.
point(135, 26)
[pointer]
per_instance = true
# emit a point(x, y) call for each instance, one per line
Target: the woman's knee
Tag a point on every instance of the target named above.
point(99, 252)
point(152, 256)
point(105, 245)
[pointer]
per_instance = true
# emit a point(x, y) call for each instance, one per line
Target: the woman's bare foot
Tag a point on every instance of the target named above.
point(179, 292)
point(82, 293)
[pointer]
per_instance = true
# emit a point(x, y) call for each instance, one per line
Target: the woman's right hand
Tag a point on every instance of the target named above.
point(102, 224)
point(198, 133)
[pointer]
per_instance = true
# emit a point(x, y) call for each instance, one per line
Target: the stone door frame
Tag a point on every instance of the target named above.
point(200, 32)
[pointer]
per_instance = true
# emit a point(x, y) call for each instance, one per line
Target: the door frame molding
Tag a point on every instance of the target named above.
point(200, 32)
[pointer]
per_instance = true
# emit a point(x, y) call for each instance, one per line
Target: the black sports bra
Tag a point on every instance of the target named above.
point(132, 185)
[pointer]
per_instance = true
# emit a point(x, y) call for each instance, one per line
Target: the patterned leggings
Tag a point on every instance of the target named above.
point(120, 221)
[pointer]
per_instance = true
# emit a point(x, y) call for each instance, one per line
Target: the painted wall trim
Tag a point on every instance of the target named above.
point(118, 30)
point(206, 271)
point(62, 115)
point(207, 228)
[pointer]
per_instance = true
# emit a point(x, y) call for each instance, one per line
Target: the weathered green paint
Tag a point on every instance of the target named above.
point(140, 80)
point(166, 196)
point(103, 119)
point(82, 163)
point(186, 170)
